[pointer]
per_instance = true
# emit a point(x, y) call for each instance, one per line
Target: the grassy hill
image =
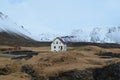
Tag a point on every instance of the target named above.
point(12, 39)
point(78, 63)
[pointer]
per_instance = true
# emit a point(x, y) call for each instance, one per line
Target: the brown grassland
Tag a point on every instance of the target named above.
point(48, 63)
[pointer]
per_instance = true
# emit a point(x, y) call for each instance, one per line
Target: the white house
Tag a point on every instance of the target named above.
point(58, 44)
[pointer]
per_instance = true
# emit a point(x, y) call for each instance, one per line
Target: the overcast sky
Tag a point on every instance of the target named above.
point(62, 16)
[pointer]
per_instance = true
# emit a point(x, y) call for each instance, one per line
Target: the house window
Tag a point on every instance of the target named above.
point(56, 42)
point(54, 47)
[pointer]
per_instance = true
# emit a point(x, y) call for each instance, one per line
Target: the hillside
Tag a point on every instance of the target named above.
point(13, 39)
point(13, 34)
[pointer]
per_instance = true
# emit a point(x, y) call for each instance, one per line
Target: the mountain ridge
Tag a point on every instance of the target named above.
point(12, 34)
point(96, 35)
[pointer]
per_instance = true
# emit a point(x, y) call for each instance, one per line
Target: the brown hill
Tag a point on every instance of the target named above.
point(78, 63)
point(20, 40)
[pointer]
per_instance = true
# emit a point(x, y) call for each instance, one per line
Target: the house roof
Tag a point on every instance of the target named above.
point(66, 39)
point(60, 40)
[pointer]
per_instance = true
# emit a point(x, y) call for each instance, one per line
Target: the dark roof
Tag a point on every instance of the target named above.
point(60, 40)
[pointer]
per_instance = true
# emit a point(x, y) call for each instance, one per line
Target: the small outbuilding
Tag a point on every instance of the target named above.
point(58, 45)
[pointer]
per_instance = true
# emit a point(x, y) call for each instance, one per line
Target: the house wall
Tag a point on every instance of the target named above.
point(56, 46)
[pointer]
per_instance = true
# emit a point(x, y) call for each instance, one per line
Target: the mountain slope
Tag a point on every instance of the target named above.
point(12, 34)
point(106, 34)
point(7, 25)
point(101, 35)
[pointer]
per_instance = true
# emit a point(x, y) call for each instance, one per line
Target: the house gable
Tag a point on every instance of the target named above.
point(58, 41)
point(58, 45)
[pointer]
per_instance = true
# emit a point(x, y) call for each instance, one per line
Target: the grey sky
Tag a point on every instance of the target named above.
point(62, 16)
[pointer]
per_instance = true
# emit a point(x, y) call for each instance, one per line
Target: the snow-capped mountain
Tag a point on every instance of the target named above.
point(100, 35)
point(114, 34)
point(45, 37)
point(97, 34)
point(80, 35)
point(8, 26)
point(13, 34)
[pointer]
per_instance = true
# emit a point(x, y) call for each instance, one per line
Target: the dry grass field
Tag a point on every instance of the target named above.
point(47, 64)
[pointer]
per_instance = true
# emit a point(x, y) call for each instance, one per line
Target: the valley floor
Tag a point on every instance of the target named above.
point(70, 65)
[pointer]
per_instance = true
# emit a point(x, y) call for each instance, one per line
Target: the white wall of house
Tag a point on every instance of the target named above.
point(57, 45)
